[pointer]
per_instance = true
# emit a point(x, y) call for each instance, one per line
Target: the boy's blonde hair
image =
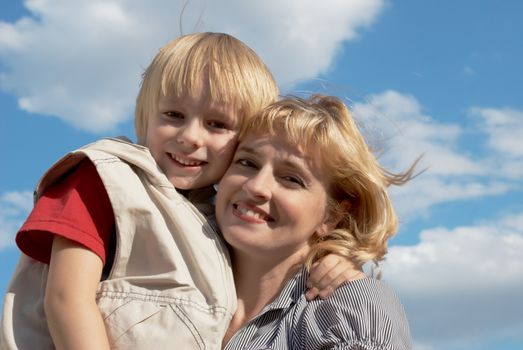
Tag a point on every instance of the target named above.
point(235, 73)
point(323, 127)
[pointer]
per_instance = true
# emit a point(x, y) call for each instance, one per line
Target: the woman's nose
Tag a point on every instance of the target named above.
point(260, 184)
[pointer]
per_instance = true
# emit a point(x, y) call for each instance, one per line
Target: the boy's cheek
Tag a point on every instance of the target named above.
point(229, 148)
point(226, 158)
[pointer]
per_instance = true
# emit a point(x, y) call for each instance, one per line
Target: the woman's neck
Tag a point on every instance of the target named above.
point(258, 282)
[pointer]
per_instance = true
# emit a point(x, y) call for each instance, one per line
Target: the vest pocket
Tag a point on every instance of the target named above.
point(138, 324)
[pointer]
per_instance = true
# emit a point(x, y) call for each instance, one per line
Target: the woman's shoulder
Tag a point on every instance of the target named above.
point(365, 311)
point(365, 297)
point(369, 290)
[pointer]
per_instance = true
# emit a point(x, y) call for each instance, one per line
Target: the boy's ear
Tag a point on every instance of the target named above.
point(333, 218)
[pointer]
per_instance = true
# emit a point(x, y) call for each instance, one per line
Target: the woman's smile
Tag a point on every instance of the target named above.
point(251, 213)
point(272, 197)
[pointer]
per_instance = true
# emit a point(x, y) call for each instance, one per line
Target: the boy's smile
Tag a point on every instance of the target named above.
point(192, 138)
point(185, 162)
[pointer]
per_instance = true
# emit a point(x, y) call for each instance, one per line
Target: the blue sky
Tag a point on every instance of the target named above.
point(437, 77)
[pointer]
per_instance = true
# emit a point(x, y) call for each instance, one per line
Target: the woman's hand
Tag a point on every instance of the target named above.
point(329, 273)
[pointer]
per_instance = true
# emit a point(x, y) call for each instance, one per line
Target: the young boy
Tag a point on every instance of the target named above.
point(117, 252)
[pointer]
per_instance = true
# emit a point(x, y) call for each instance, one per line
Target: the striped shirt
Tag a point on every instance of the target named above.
point(364, 314)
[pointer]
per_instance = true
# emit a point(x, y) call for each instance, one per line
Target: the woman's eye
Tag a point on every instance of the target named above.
point(294, 180)
point(174, 115)
point(245, 163)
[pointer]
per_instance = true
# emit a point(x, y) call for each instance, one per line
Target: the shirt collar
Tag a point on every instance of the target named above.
point(294, 289)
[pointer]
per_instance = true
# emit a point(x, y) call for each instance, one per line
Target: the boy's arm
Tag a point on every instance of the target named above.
point(72, 314)
point(329, 273)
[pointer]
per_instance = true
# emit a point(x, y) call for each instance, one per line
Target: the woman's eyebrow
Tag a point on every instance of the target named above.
point(246, 149)
point(300, 166)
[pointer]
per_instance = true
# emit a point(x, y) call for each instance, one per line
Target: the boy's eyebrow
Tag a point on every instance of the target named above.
point(219, 114)
point(210, 109)
point(219, 111)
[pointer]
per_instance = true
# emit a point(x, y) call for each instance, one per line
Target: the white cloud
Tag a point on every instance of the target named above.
point(418, 196)
point(14, 207)
point(81, 60)
point(504, 129)
point(298, 39)
point(399, 122)
point(461, 287)
point(409, 132)
point(467, 276)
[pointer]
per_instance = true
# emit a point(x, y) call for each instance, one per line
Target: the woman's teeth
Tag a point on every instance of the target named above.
point(252, 213)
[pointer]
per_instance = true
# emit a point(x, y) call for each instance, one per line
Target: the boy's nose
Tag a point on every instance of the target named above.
point(191, 135)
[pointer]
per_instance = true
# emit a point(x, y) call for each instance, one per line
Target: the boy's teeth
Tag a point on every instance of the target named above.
point(184, 161)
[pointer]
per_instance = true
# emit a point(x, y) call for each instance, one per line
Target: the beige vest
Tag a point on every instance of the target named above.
point(171, 284)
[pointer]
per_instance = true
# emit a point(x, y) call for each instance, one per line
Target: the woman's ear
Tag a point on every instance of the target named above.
point(333, 218)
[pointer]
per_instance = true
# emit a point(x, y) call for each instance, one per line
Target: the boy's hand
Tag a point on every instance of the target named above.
point(329, 273)
point(73, 317)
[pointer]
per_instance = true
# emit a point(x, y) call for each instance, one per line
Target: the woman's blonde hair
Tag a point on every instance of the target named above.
point(235, 73)
point(358, 198)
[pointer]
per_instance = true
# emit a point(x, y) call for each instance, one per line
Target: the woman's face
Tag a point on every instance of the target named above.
point(272, 199)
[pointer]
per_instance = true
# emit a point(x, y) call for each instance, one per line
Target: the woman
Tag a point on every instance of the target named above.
point(303, 184)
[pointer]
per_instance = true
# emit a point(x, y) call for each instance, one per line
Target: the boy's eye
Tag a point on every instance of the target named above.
point(174, 115)
point(217, 124)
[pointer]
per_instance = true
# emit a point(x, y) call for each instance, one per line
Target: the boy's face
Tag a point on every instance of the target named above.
point(192, 138)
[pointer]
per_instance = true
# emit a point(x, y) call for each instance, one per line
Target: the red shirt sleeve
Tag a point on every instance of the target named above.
point(78, 208)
